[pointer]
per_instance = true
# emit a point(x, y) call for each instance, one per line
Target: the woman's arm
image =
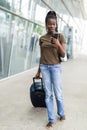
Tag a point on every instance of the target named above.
point(38, 71)
point(61, 46)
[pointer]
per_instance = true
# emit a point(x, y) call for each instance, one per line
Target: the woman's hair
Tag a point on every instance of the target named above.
point(51, 15)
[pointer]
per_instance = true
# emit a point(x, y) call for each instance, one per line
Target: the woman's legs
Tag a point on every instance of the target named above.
point(51, 74)
point(57, 86)
point(46, 75)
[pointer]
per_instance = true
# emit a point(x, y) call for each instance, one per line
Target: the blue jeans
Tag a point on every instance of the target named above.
point(52, 80)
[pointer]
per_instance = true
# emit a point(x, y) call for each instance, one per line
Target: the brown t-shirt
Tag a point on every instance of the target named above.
point(49, 51)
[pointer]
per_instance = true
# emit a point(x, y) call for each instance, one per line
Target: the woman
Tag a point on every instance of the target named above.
point(50, 67)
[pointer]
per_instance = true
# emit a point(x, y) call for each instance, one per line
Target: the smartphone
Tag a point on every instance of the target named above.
point(55, 35)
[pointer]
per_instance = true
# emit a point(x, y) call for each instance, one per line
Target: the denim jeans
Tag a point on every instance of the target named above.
point(52, 80)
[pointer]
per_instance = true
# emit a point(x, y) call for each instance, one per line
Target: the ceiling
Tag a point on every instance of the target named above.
point(76, 8)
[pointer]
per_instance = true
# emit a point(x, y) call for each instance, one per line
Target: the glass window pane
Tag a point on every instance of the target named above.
point(5, 42)
point(19, 45)
point(6, 4)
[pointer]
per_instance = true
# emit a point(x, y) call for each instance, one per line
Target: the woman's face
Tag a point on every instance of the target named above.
point(51, 25)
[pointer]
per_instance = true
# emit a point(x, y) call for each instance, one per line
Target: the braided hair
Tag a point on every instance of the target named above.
point(51, 15)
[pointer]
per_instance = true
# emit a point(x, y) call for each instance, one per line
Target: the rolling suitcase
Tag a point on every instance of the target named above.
point(37, 94)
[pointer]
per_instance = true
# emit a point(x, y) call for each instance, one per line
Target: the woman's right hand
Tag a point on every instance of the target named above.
point(37, 76)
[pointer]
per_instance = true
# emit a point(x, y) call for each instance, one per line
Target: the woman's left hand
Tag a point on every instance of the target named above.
point(55, 41)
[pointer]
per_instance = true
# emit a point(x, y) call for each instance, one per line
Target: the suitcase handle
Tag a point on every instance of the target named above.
point(38, 79)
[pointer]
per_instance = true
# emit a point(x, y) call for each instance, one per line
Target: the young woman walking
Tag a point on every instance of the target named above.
point(50, 67)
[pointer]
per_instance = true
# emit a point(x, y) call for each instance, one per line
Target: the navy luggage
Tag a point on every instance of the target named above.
point(37, 94)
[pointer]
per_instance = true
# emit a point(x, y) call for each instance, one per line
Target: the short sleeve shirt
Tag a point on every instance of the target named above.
point(49, 51)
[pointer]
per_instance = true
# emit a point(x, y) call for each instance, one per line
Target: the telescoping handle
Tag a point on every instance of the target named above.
point(38, 79)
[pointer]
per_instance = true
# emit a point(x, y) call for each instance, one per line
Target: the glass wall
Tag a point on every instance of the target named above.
point(21, 25)
point(5, 42)
point(19, 35)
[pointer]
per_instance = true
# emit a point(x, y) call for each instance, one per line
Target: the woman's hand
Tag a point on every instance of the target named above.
point(37, 76)
point(55, 41)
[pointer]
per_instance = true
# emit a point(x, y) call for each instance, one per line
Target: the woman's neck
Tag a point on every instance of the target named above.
point(50, 33)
